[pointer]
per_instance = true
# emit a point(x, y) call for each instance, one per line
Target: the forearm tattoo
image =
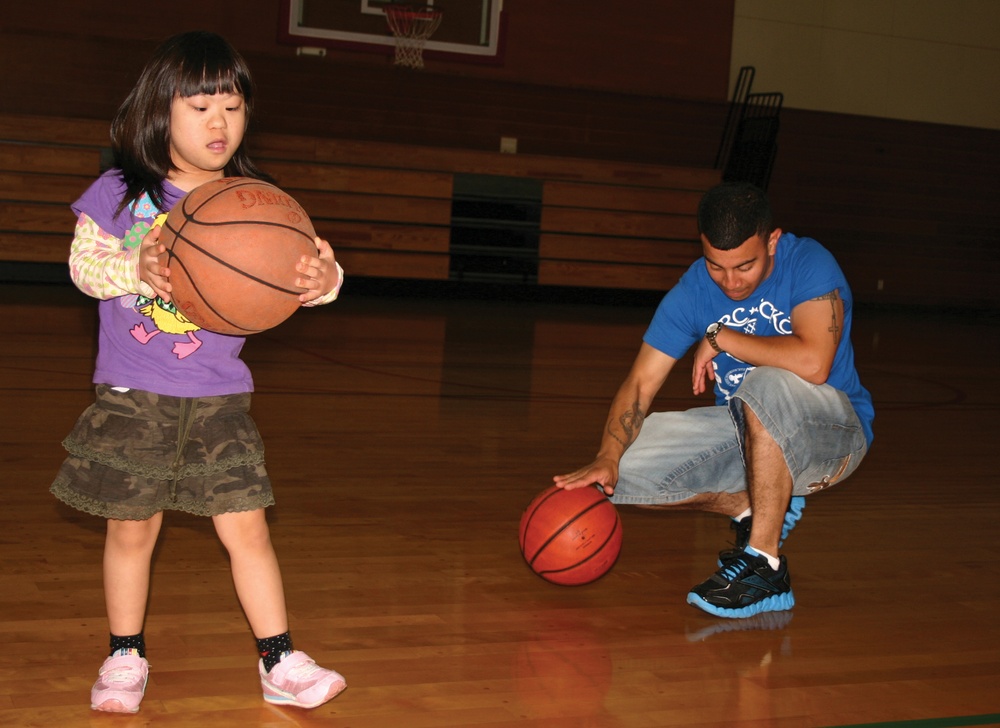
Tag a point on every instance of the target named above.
point(833, 296)
point(630, 423)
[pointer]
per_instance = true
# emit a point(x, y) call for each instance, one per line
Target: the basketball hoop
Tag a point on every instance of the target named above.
point(412, 25)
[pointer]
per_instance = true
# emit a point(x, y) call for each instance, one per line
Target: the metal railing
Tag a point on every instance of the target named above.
point(749, 143)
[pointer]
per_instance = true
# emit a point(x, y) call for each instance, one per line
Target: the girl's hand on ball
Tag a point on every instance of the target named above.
point(151, 271)
point(319, 275)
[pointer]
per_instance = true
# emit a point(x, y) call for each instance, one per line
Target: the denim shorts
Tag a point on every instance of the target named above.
point(679, 455)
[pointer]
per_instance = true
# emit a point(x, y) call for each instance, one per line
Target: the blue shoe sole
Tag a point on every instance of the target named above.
point(775, 603)
point(792, 516)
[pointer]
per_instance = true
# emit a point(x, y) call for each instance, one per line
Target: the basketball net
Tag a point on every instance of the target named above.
point(411, 26)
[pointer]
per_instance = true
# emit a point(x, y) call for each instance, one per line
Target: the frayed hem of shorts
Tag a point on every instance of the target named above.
point(143, 470)
point(119, 512)
point(674, 499)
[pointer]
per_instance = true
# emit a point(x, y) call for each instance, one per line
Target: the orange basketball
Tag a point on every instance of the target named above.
point(232, 245)
point(571, 537)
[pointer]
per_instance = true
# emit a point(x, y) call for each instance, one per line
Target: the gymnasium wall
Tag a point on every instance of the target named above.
point(909, 206)
point(921, 60)
point(890, 138)
point(671, 48)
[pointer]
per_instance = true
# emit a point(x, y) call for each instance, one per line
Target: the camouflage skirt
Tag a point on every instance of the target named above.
point(133, 454)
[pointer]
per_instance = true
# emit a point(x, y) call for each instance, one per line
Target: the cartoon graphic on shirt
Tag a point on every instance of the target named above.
point(166, 318)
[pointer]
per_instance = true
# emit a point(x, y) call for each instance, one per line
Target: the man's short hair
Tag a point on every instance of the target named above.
point(732, 212)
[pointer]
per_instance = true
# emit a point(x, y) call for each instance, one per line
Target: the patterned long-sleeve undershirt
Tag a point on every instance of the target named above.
point(103, 268)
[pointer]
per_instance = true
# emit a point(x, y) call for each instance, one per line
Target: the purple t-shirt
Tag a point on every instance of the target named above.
point(143, 343)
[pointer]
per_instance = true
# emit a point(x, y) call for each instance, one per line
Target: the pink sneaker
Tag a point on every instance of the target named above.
point(297, 680)
point(121, 683)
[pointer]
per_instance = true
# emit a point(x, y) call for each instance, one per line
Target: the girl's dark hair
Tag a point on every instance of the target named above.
point(731, 213)
point(184, 65)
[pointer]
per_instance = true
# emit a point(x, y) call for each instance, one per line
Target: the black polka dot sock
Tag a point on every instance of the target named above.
point(271, 649)
point(120, 645)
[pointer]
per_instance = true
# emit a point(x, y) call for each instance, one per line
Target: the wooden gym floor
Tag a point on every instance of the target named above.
point(406, 433)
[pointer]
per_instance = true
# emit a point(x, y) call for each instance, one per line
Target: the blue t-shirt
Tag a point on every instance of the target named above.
point(143, 343)
point(803, 269)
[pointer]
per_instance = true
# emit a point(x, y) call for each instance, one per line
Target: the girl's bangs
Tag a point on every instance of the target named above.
point(212, 78)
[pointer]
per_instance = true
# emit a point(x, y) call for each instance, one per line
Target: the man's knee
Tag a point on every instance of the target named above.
point(764, 382)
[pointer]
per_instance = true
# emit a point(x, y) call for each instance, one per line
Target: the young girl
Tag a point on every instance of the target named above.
point(170, 428)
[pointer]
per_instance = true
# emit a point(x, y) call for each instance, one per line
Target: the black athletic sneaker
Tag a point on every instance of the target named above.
point(742, 529)
point(745, 585)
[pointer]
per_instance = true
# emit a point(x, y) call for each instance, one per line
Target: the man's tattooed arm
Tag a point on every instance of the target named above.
point(630, 422)
point(833, 296)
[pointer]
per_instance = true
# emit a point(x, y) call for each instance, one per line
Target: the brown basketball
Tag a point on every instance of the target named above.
point(232, 245)
point(571, 537)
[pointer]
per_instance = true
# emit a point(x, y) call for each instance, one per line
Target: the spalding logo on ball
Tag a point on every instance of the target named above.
point(232, 246)
point(571, 537)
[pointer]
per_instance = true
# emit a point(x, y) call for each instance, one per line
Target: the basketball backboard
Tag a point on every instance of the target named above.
point(471, 30)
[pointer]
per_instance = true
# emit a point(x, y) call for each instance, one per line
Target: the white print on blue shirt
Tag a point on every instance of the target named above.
point(744, 319)
point(763, 319)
